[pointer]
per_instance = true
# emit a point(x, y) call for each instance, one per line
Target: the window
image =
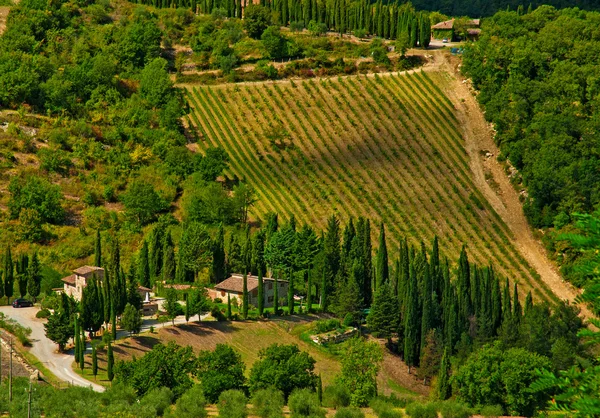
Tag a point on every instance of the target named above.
point(270, 286)
point(270, 299)
point(222, 293)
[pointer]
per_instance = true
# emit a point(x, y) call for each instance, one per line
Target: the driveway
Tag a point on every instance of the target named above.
point(46, 350)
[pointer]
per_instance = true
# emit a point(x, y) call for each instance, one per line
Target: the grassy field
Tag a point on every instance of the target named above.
point(387, 147)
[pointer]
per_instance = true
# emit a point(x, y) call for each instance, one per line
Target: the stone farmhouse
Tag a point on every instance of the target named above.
point(446, 30)
point(234, 285)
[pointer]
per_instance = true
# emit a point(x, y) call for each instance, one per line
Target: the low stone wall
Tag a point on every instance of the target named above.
point(334, 337)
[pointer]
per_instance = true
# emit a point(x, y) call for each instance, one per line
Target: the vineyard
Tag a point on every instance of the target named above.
point(387, 147)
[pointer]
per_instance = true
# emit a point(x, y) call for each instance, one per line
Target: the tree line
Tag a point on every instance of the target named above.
point(387, 20)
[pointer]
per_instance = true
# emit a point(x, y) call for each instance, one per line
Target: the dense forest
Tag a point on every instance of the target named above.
point(483, 8)
point(538, 79)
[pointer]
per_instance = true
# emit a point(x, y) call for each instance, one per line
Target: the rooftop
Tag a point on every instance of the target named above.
point(70, 280)
point(235, 283)
point(85, 270)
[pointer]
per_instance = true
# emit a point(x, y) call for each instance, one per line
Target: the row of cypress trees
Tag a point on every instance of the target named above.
point(390, 20)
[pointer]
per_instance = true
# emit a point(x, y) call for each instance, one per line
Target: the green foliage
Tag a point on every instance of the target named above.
point(349, 412)
point(421, 410)
point(283, 367)
point(274, 42)
point(232, 404)
point(158, 400)
point(383, 319)
point(164, 366)
point(360, 364)
point(22, 333)
point(336, 396)
point(191, 404)
point(220, 370)
point(304, 403)
point(268, 403)
point(142, 202)
point(256, 19)
point(155, 85)
point(492, 376)
point(32, 192)
point(131, 320)
point(451, 409)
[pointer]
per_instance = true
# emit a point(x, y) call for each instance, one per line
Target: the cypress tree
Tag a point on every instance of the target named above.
point(168, 269)
point(8, 275)
point(528, 303)
point(290, 295)
point(94, 361)
point(245, 297)
point(76, 338)
point(496, 314)
point(324, 292)
point(229, 315)
point(113, 321)
point(81, 358)
point(411, 322)
point(261, 292)
point(506, 304)
point(34, 277)
point(22, 267)
point(218, 267)
point(463, 290)
point(276, 295)
point(156, 255)
point(517, 310)
point(368, 264)
point(331, 248)
point(444, 389)
point(382, 260)
point(427, 312)
point(247, 252)
point(143, 266)
point(98, 250)
point(106, 296)
point(110, 359)
point(309, 298)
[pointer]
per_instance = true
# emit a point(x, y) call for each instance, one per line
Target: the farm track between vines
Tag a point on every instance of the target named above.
point(388, 147)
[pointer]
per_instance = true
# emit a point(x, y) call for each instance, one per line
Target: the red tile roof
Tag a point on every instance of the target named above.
point(236, 283)
point(85, 270)
point(177, 286)
point(144, 289)
point(70, 280)
point(447, 24)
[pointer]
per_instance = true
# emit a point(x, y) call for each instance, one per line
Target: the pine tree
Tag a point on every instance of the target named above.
point(444, 389)
point(144, 266)
point(411, 322)
point(94, 361)
point(98, 250)
point(110, 360)
point(34, 277)
point(245, 297)
point(168, 268)
point(8, 275)
point(384, 316)
point(290, 295)
point(382, 260)
point(261, 292)
point(229, 314)
point(218, 267)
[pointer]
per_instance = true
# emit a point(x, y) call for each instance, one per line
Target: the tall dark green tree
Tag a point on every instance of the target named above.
point(8, 274)
point(444, 388)
point(290, 295)
point(34, 277)
point(261, 292)
point(110, 361)
point(383, 273)
point(427, 312)
point(144, 266)
point(22, 274)
point(276, 294)
point(98, 250)
point(156, 254)
point(245, 296)
point(94, 361)
point(324, 290)
point(412, 323)
point(218, 267)
point(309, 292)
point(331, 247)
point(384, 316)
point(168, 268)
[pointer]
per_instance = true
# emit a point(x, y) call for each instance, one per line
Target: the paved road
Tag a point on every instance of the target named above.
point(46, 350)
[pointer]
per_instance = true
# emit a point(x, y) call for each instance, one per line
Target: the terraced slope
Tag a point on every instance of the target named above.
point(386, 146)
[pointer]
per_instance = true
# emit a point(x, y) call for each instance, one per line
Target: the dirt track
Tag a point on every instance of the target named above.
point(503, 197)
point(3, 15)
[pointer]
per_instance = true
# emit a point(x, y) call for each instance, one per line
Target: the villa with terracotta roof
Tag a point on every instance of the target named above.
point(445, 29)
point(74, 283)
point(234, 287)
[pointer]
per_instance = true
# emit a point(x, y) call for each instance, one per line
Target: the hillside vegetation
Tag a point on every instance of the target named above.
point(388, 147)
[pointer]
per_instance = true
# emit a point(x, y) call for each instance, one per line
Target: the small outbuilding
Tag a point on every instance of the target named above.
point(234, 287)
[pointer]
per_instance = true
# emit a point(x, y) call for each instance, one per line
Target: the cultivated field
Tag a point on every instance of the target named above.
point(387, 147)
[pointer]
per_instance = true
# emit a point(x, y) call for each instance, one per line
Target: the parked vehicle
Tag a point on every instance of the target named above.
point(21, 303)
point(445, 40)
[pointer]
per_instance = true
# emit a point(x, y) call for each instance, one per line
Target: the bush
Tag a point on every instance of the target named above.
point(305, 403)
point(158, 400)
point(326, 325)
point(232, 404)
point(15, 329)
point(336, 396)
point(44, 313)
point(419, 410)
point(384, 409)
point(450, 409)
point(216, 313)
point(351, 412)
point(268, 403)
point(191, 404)
point(493, 411)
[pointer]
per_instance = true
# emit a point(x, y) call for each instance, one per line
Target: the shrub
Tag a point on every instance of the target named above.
point(191, 404)
point(158, 400)
point(326, 325)
point(16, 329)
point(268, 403)
point(305, 403)
point(493, 411)
point(351, 412)
point(450, 409)
point(419, 410)
point(336, 396)
point(232, 404)
point(216, 313)
point(384, 409)
point(44, 313)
